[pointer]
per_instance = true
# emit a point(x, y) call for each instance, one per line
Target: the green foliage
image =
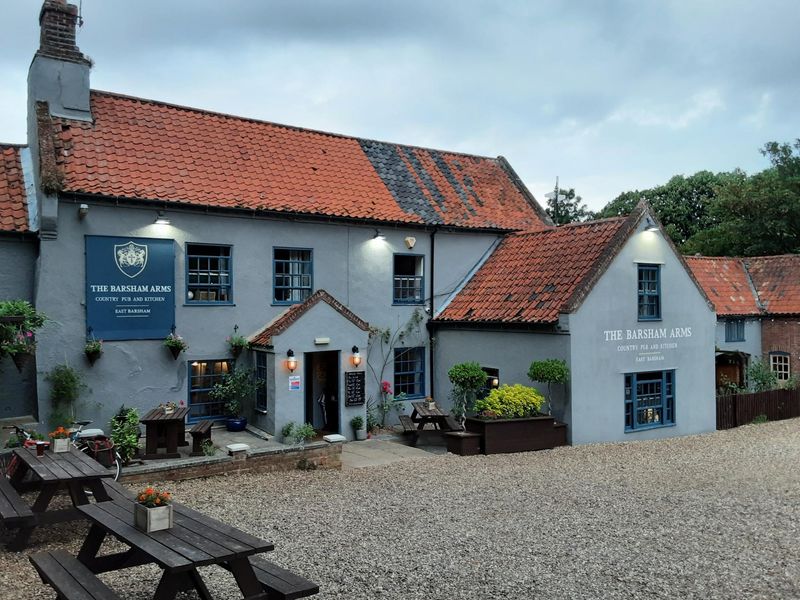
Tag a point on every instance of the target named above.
point(303, 433)
point(510, 401)
point(761, 377)
point(125, 433)
point(207, 446)
point(760, 419)
point(236, 387)
point(468, 379)
point(66, 385)
point(288, 429)
point(567, 210)
point(357, 422)
point(549, 371)
point(17, 338)
point(372, 416)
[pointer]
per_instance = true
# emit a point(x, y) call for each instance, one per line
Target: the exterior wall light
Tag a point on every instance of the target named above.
point(494, 382)
point(83, 210)
point(410, 241)
point(356, 356)
point(291, 361)
point(378, 235)
point(162, 219)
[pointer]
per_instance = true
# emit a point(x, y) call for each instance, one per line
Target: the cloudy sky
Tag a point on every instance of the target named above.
point(608, 95)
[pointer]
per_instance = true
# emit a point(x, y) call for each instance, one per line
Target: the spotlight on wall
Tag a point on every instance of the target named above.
point(356, 356)
point(650, 225)
point(83, 210)
point(378, 235)
point(291, 361)
point(494, 382)
point(162, 219)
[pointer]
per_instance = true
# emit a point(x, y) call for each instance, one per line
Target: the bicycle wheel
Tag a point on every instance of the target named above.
point(6, 461)
point(117, 466)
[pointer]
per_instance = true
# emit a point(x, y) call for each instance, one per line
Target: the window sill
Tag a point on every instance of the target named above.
point(415, 303)
point(286, 303)
point(209, 304)
point(259, 411)
point(649, 427)
point(650, 319)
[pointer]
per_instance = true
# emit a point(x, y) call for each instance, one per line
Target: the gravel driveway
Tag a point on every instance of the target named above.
point(711, 516)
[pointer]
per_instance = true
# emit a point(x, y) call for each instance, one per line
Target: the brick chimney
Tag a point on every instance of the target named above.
point(58, 20)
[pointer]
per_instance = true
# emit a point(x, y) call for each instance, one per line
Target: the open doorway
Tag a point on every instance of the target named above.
point(322, 390)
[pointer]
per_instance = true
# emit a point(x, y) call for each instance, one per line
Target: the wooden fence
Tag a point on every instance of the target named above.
point(739, 409)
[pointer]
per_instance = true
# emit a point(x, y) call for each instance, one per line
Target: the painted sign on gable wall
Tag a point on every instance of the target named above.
point(130, 288)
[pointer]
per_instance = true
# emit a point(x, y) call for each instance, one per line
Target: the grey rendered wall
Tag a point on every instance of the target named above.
point(17, 266)
point(348, 263)
point(752, 338)
point(510, 352)
point(599, 363)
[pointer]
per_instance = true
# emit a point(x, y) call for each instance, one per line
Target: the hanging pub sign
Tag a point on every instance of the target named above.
point(130, 288)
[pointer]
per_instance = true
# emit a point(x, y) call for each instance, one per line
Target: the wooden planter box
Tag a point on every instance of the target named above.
point(152, 519)
point(463, 443)
point(518, 435)
point(60, 445)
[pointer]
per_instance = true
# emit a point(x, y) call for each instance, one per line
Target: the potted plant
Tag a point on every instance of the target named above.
point(168, 407)
point(176, 344)
point(357, 423)
point(236, 343)
point(60, 437)
point(66, 385)
point(21, 347)
point(153, 510)
point(549, 371)
point(468, 379)
point(286, 433)
point(234, 390)
point(93, 349)
point(125, 433)
point(18, 323)
point(303, 433)
point(509, 419)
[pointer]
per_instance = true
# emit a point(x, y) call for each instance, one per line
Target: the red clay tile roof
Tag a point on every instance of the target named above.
point(726, 284)
point(287, 318)
point(148, 150)
point(777, 281)
point(13, 202)
point(532, 277)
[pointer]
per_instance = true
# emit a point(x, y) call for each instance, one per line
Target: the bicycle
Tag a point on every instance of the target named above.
point(92, 442)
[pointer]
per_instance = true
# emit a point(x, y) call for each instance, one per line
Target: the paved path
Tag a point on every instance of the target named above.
point(370, 453)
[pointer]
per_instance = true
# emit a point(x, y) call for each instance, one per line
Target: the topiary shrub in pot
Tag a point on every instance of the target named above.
point(509, 419)
point(235, 389)
point(468, 379)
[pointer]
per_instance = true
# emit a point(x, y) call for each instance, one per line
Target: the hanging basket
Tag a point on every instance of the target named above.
point(236, 351)
point(20, 360)
point(175, 351)
point(93, 356)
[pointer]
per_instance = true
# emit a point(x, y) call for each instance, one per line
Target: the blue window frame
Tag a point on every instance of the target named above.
point(262, 373)
point(649, 400)
point(292, 270)
point(203, 375)
point(649, 292)
point(209, 274)
point(409, 372)
point(409, 280)
point(734, 330)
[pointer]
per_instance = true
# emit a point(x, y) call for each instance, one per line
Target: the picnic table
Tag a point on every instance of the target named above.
point(422, 415)
point(164, 430)
point(72, 470)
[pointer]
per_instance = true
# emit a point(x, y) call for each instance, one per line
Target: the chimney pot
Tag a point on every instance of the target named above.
point(58, 21)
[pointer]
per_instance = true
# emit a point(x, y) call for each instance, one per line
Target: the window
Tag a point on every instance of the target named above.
point(649, 293)
point(408, 279)
point(734, 330)
point(779, 363)
point(203, 374)
point(409, 372)
point(208, 274)
point(262, 373)
point(292, 281)
point(649, 400)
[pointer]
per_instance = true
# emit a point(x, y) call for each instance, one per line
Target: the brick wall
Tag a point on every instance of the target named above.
point(327, 456)
point(58, 21)
point(782, 335)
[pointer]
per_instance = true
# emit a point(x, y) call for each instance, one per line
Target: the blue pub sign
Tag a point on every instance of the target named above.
point(130, 288)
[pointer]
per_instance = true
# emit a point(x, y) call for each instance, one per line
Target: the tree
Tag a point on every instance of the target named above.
point(566, 207)
point(549, 371)
point(468, 379)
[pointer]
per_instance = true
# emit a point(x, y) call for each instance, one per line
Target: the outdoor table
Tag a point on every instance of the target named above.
point(73, 470)
point(164, 430)
point(194, 540)
point(423, 415)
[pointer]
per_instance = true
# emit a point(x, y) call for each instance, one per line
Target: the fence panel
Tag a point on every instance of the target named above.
point(734, 410)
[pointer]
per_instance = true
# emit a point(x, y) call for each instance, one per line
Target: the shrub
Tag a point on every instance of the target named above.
point(761, 377)
point(303, 433)
point(288, 429)
point(235, 389)
point(510, 401)
point(357, 422)
point(468, 379)
point(549, 371)
point(760, 419)
point(125, 433)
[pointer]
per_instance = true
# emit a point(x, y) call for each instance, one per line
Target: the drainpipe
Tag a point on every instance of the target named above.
point(431, 309)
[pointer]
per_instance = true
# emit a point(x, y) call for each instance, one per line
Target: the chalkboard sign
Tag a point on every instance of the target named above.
point(354, 388)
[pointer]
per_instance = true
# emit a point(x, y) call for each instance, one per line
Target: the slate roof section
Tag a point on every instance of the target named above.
point(777, 282)
point(726, 283)
point(532, 277)
point(13, 200)
point(146, 150)
point(287, 318)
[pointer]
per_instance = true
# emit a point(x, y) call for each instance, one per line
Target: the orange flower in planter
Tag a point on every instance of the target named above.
point(59, 434)
point(152, 497)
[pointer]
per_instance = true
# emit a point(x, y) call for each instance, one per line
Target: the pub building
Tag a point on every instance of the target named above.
point(345, 262)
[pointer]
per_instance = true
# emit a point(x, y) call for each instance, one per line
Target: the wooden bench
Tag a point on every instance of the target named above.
point(409, 428)
point(280, 583)
point(200, 433)
point(69, 577)
point(13, 510)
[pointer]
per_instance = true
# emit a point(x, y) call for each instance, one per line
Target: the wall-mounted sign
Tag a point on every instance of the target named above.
point(649, 343)
point(294, 383)
point(130, 288)
point(354, 388)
